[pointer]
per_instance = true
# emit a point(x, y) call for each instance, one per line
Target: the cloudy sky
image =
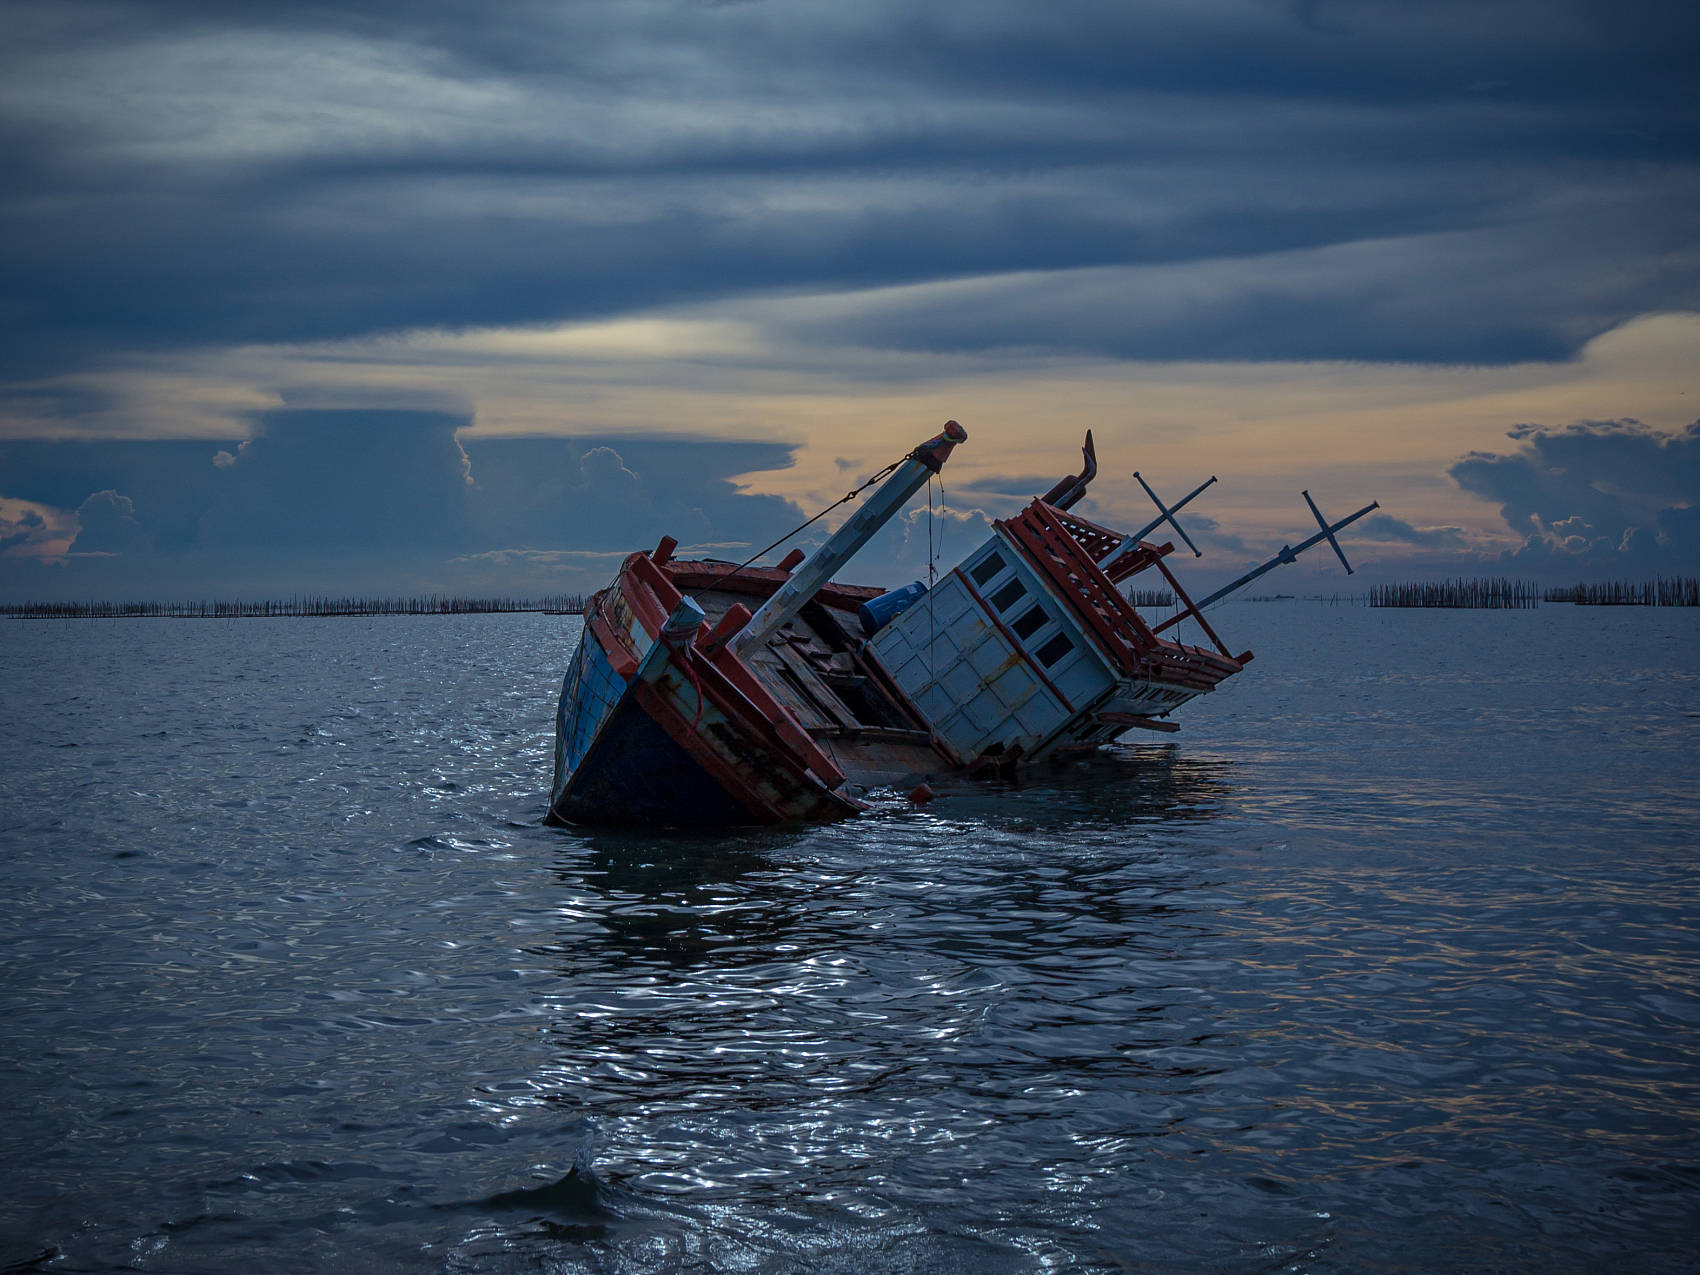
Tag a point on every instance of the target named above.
point(440, 295)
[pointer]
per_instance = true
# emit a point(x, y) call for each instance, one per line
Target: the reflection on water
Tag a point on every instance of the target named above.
point(687, 899)
point(680, 902)
point(1331, 981)
point(1109, 789)
point(878, 1010)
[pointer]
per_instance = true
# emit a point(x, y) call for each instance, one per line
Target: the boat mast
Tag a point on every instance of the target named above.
point(1289, 553)
point(1166, 515)
point(792, 596)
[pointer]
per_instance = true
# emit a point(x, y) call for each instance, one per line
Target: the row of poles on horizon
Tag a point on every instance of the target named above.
point(435, 604)
point(1462, 593)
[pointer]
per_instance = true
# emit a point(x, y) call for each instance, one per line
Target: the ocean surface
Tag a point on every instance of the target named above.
point(1388, 962)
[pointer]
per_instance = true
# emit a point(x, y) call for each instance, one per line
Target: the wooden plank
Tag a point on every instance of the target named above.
point(773, 676)
point(725, 664)
point(808, 682)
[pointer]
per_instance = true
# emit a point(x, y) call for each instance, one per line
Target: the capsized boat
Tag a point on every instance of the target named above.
point(708, 693)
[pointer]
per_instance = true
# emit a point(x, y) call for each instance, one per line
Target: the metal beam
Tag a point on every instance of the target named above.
point(888, 498)
point(1168, 514)
point(1327, 531)
point(1289, 553)
point(1130, 543)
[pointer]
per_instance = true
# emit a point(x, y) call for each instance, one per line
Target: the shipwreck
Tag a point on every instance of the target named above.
point(709, 693)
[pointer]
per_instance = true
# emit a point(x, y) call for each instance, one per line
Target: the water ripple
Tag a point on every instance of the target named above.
point(1370, 968)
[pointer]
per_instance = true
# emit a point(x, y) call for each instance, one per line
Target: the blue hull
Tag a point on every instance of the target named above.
point(614, 764)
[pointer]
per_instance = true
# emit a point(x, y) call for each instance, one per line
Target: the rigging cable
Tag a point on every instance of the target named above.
point(931, 560)
point(932, 616)
point(844, 499)
point(944, 517)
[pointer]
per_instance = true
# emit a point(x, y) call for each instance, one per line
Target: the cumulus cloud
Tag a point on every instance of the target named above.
point(1611, 493)
point(27, 526)
point(623, 493)
point(109, 526)
point(31, 530)
point(944, 531)
point(350, 479)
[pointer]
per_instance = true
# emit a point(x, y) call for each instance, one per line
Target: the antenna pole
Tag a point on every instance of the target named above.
point(1328, 531)
point(890, 497)
point(1287, 554)
point(1166, 516)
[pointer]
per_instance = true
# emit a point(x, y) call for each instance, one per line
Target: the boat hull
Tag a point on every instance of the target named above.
point(697, 711)
point(667, 736)
point(629, 770)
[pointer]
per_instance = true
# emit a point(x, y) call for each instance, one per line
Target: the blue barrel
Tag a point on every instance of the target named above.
point(878, 612)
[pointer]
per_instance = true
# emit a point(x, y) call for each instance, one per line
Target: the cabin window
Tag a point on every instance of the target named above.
point(1055, 649)
point(1009, 595)
point(1030, 623)
point(989, 567)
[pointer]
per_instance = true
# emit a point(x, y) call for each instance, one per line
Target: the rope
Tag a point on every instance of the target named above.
point(931, 559)
point(944, 523)
point(844, 499)
point(932, 579)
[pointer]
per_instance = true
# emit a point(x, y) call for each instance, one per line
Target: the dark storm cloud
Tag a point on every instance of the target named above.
point(320, 496)
point(1555, 49)
point(190, 174)
point(1474, 294)
point(170, 483)
point(109, 526)
point(343, 479)
point(1385, 527)
point(617, 494)
point(1596, 493)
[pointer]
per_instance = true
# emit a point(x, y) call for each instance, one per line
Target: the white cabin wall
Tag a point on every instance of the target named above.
point(965, 675)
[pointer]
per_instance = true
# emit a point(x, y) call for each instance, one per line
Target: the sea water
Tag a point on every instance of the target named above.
point(1389, 961)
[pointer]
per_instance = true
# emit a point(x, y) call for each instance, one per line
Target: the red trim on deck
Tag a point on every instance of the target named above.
point(639, 600)
point(666, 593)
point(1041, 533)
point(761, 582)
point(1192, 609)
point(619, 654)
point(659, 705)
point(741, 697)
point(1050, 540)
point(777, 787)
point(736, 617)
point(1096, 540)
point(723, 661)
point(1141, 556)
